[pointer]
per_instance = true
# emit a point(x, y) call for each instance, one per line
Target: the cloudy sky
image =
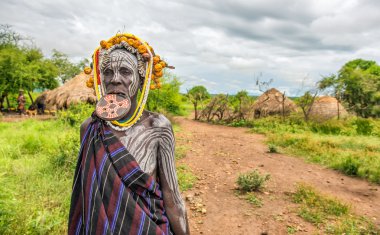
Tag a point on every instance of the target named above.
point(224, 45)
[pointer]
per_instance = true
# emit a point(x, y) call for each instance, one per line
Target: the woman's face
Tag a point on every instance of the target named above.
point(120, 73)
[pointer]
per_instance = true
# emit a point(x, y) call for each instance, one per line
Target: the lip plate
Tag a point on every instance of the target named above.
point(112, 107)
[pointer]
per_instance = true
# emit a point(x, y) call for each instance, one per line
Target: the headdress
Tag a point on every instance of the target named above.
point(150, 68)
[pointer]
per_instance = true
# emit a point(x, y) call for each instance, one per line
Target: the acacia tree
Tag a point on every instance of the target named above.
point(22, 66)
point(66, 69)
point(306, 102)
point(196, 95)
point(358, 85)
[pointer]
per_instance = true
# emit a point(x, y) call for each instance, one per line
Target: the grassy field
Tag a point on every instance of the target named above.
point(37, 161)
point(351, 146)
point(329, 214)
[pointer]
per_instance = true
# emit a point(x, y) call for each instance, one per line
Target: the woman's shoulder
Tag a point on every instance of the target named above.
point(157, 120)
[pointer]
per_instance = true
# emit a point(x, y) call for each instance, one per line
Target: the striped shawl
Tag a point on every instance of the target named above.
point(111, 194)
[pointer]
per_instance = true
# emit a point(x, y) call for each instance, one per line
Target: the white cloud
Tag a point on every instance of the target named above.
point(221, 44)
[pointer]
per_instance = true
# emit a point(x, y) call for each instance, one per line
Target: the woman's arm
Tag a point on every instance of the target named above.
point(174, 205)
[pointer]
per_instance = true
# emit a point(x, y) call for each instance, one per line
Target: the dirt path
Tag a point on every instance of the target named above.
point(217, 154)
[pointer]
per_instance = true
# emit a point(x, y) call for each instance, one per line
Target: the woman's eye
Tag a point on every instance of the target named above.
point(124, 71)
point(108, 72)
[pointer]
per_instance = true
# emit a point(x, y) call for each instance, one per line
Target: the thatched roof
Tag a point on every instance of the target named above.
point(326, 107)
point(270, 103)
point(72, 92)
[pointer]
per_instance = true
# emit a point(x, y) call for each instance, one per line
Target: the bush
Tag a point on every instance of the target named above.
point(252, 181)
point(331, 127)
point(363, 126)
point(76, 114)
point(272, 148)
point(64, 159)
point(349, 166)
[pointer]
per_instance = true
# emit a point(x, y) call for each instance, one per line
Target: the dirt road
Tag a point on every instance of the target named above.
point(217, 154)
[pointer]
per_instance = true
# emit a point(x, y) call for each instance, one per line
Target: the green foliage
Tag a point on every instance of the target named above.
point(329, 213)
point(338, 144)
point(306, 101)
point(363, 126)
point(252, 181)
point(168, 98)
point(272, 148)
point(349, 166)
point(76, 114)
point(197, 95)
point(357, 84)
point(66, 69)
point(186, 179)
point(254, 200)
point(36, 173)
point(23, 66)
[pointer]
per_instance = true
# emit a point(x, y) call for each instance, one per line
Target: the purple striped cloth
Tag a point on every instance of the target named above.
point(111, 194)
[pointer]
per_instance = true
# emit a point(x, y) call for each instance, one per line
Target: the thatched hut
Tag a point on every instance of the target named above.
point(72, 92)
point(326, 107)
point(273, 102)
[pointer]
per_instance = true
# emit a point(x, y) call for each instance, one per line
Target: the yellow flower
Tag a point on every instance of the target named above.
point(159, 74)
point(141, 49)
point(90, 82)
point(131, 41)
point(136, 44)
point(87, 70)
point(158, 67)
point(157, 80)
point(123, 39)
point(152, 86)
point(103, 44)
point(163, 64)
point(158, 85)
point(156, 59)
point(153, 76)
point(109, 45)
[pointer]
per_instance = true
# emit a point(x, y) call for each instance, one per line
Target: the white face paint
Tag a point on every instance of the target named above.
point(119, 72)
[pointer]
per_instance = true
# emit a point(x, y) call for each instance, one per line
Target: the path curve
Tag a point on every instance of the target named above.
point(217, 154)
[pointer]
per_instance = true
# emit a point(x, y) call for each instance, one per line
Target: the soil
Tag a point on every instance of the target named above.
point(16, 117)
point(218, 154)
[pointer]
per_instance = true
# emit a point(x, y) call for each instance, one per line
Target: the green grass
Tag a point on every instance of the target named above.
point(345, 145)
point(254, 200)
point(36, 176)
point(186, 179)
point(37, 161)
point(329, 214)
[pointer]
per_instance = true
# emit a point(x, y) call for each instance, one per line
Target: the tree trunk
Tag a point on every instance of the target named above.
point(6, 98)
point(195, 111)
point(30, 96)
point(337, 103)
point(283, 106)
point(1, 102)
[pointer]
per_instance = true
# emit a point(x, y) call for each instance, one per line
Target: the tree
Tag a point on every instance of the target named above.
point(23, 67)
point(168, 97)
point(196, 95)
point(306, 102)
point(66, 69)
point(358, 85)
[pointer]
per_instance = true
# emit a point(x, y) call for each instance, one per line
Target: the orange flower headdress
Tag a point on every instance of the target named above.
point(150, 68)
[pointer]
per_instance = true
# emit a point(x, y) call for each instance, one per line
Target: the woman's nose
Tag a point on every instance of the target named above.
point(116, 79)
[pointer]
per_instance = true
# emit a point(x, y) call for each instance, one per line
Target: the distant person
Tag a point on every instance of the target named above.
point(21, 102)
point(125, 180)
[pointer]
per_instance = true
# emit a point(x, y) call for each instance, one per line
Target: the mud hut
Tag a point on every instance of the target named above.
point(273, 102)
point(72, 92)
point(326, 107)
